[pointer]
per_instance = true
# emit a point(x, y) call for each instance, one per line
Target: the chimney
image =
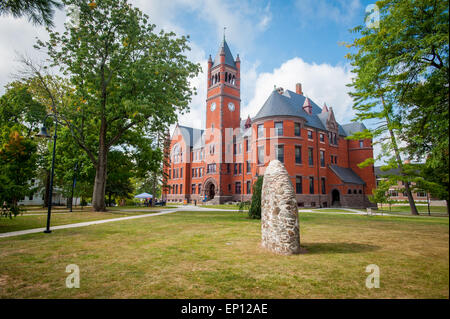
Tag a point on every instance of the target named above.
point(298, 88)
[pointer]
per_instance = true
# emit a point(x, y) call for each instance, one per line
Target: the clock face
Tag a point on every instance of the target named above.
point(213, 106)
point(231, 106)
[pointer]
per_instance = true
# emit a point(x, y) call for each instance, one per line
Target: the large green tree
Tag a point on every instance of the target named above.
point(393, 62)
point(37, 11)
point(126, 80)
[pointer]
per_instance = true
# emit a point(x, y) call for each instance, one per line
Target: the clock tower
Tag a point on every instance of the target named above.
point(223, 107)
point(223, 100)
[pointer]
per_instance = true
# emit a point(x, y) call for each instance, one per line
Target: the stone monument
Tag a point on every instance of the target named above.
point(279, 211)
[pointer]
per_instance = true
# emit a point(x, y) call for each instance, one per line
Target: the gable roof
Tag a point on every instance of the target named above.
point(347, 175)
point(229, 60)
point(191, 136)
point(351, 128)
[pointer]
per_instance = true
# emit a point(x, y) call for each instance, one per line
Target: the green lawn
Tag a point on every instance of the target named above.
point(423, 210)
point(221, 206)
point(218, 255)
point(22, 222)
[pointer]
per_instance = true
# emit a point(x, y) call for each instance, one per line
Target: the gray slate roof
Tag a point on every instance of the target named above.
point(347, 175)
point(351, 128)
point(193, 136)
point(229, 60)
point(290, 104)
point(379, 172)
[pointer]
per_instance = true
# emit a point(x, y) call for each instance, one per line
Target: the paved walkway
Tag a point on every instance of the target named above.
point(95, 222)
point(173, 210)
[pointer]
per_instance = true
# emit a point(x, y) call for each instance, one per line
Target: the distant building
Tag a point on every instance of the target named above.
point(396, 191)
point(220, 164)
point(37, 198)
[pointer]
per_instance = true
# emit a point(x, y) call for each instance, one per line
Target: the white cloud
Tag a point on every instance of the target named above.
point(320, 82)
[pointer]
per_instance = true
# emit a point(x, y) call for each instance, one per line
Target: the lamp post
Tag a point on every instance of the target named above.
point(73, 184)
point(43, 133)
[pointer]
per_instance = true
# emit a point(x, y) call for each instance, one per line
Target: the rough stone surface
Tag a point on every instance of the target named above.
point(279, 211)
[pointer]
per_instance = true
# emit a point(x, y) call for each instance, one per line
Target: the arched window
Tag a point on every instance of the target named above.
point(233, 81)
point(349, 191)
point(354, 191)
point(176, 153)
point(360, 191)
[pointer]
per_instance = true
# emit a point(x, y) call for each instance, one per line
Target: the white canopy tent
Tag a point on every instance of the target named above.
point(144, 195)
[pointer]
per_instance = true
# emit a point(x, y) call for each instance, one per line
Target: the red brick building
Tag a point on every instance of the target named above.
point(221, 163)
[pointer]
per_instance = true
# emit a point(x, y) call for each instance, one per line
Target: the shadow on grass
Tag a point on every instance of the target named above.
point(338, 248)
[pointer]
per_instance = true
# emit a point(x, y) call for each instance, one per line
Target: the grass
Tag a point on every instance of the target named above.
point(423, 210)
point(222, 206)
point(22, 222)
point(218, 255)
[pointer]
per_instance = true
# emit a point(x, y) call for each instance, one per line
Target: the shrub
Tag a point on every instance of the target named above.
point(255, 207)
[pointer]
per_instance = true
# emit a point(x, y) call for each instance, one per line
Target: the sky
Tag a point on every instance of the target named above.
point(279, 43)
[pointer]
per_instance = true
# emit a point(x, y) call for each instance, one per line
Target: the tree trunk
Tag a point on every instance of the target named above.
point(412, 204)
point(98, 197)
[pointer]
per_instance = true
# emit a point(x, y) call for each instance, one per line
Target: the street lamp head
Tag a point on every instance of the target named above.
point(43, 133)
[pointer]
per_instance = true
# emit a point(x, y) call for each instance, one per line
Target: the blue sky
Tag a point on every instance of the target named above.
point(279, 43)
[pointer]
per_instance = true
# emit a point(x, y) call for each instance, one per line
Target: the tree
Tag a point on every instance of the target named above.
point(255, 207)
point(119, 183)
point(126, 80)
point(38, 11)
point(18, 164)
point(391, 61)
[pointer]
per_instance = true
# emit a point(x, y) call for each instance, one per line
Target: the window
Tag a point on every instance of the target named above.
point(211, 168)
point(419, 194)
point(298, 185)
point(249, 187)
point(193, 172)
point(278, 128)
point(297, 129)
point(260, 155)
point(181, 172)
point(322, 158)
point(260, 132)
point(238, 187)
point(170, 172)
point(193, 188)
point(240, 168)
point(310, 135)
point(229, 187)
point(246, 145)
point(324, 187)
point(280, 153)
point(361, 144)
point(235, 169)
point(322, 137)
point(228, 168)
point(311, 185)
point(176, 189)
point(335, 160)
point(349, 191)
point(298, 154)
point(181, 189)
point(360, 191)
point(249, 167)
point(199, 187)
point(310, 156)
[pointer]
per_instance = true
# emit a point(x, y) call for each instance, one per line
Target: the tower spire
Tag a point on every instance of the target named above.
point(224, 28)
